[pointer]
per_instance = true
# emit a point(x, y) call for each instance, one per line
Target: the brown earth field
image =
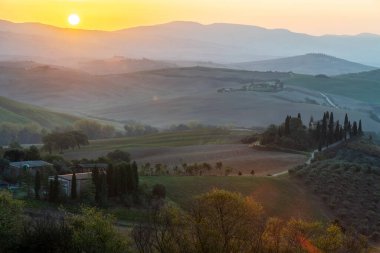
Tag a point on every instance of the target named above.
point(237, 156)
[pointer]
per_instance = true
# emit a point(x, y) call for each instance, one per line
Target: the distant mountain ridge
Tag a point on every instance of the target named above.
point(179, 41)
point(309, 64)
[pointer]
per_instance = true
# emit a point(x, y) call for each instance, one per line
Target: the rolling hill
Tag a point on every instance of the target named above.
point(179, 41)
point(181, 95)
point(310, 64)
point(119, 65)
point(25, 114)
point(364, 86)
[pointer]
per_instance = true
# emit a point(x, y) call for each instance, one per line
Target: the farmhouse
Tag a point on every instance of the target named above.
point(83, 182)
point(15, 168)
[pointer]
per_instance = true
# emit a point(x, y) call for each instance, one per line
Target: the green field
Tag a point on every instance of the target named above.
point(169, 139)
point(362, 86)
point(20, 113)
point(280, 196)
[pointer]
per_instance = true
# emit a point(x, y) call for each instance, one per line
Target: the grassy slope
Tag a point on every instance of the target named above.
point(279, 196)
point(169, 139)
point(362, 86)
point(20, 113)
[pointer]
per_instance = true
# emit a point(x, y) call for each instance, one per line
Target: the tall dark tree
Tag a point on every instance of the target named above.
point(324, 130)
point(345, 127)
point(349, 129)
point(54, 190)
point(354, 129)
point(111, 181)
point(103, 196)
point(37, 184)
point(96, 181)
point(130, 178)
point(331, 129)
point(299, 116)
point(360, 129)
point(74, 186)
point(135, 176)
point(337, 132)
point(287, 125)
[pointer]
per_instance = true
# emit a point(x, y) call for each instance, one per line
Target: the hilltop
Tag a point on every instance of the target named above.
point(310, 64)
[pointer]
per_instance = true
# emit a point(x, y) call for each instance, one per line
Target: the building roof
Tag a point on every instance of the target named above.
point(93, 165)
point(79, 176)
point(31, 164)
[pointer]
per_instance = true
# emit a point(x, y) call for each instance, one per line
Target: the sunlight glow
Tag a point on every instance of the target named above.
point(74, 19)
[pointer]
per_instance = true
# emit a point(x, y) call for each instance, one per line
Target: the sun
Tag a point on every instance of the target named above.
point(74, 19)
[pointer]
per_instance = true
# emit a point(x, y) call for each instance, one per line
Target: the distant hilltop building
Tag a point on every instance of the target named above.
point(259, 86)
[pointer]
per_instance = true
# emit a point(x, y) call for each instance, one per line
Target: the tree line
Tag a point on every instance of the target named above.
point(64, 140)
point(294, 134)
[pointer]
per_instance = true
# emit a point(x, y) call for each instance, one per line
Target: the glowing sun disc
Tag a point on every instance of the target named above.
point(74, 19)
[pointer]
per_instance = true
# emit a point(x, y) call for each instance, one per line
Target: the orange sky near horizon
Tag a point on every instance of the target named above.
point(309, 16)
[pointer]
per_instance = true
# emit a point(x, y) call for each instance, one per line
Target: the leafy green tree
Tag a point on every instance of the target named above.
point(14, 155)
point(32, 154)
point(228, 222)
point(94, 232)
point(119, 156)
point(11, 221)
point(159, 191)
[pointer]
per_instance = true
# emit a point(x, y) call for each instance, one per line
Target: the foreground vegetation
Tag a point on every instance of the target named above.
point(218, 221)
point(346, 179)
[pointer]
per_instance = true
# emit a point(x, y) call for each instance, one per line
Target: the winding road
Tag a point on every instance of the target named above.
point(328, 100)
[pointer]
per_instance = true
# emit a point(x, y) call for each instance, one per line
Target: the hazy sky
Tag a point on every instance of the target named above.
point(309, 16)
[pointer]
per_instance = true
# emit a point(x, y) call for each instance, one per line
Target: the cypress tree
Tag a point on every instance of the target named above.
point(135, 176)
point(37, 184)
point(349, 129)
point(111, 182)
point(355, 129)
point(103, 190)
point(287, 125)
point(324, 129)
point(96, 181)
point(51, 191)
point(331, 129)
point(130, 179)
point(74, 186)
point(360, 130)
point(345, 126)
point(337, 132)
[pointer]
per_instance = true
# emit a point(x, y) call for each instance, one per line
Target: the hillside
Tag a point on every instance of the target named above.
point(119, 65)
point(173, 96)
point(363, 86)
point(310, 64)
point(345, 178)
point(179, 41)
point(23, 114)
